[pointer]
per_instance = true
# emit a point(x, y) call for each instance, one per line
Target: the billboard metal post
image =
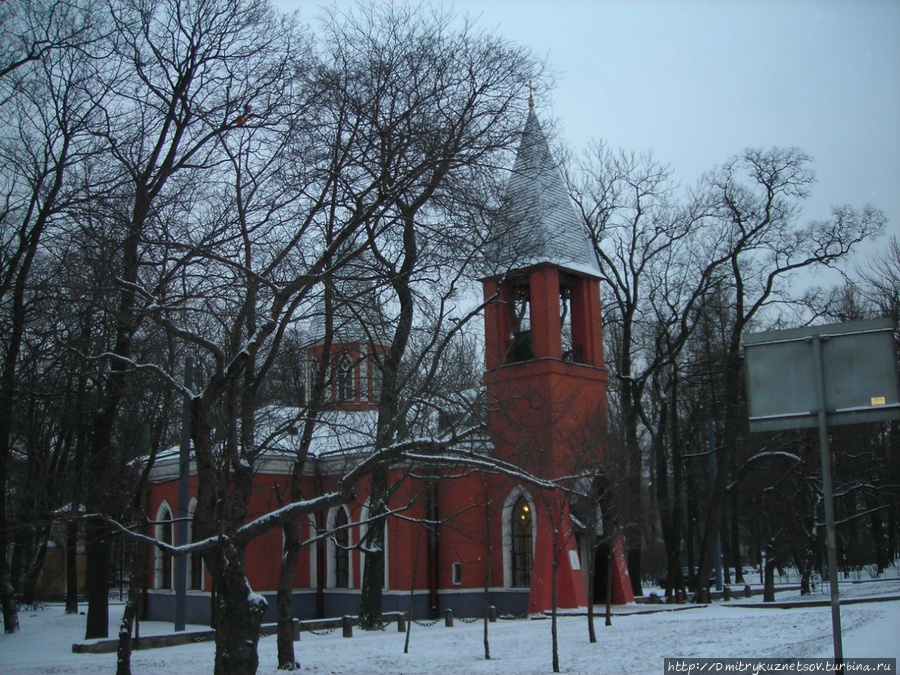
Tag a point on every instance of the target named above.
point(828, 492)
point(821, 376)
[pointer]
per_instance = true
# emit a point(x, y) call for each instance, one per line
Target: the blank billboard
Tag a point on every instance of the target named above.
point(859, 369)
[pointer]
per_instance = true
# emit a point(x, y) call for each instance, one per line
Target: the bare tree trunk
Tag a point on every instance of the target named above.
point(610, 561)
point(35, 565)
point(72, 567)
point(591, 549)
point(412, 591)
point(489, 559)
point(373, 572)
point(370, 607)
point(240, 616)
point(553, 592)
point(96, 579)
point(283, 599)
point(7, 596)
point(736, 539)
point(769, 589)
point(132, 605)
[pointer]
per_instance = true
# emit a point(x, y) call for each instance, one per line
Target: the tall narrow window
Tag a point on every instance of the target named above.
point(164, 535)
point(345, 378)
point(195, 561)
point(341, 550)
point(522, 558)
point(377, 376)
point(521, 347)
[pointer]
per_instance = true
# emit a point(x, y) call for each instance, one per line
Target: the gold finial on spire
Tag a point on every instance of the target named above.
point(530, 94)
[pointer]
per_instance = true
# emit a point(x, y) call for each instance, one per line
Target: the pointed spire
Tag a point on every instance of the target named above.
point(539, 222)
point(530, 95)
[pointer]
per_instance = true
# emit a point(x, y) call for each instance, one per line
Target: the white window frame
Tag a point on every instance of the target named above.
point(508, 507)
point(164, 512)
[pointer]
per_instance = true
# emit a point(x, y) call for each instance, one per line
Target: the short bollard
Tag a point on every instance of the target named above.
point(448, 618)
point(703, 596)
point(347, 626)
point(679, 596)
point(726, 593)
point(747, 592)
point(401, 623)
point(492, 614)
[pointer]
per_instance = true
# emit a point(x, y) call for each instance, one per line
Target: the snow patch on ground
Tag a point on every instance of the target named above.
point(634, 644)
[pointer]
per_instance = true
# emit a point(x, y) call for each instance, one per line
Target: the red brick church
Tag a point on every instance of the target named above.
point(545, 386)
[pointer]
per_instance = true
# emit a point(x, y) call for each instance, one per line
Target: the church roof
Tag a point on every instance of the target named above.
point(538, 222)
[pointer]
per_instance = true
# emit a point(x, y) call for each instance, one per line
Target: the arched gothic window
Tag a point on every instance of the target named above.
point(345, 378)
point(341, 550)
point(164, 534)
point(522, 550)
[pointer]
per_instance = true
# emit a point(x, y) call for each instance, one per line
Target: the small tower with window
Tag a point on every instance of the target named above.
point(355, 353)
point(545, 374)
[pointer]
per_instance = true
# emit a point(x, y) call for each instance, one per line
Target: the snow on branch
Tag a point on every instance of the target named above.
point(151, 367)
point(775, 454)
point(195, 546)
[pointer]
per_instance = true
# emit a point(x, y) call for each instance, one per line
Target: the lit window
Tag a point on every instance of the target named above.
point(522, 558)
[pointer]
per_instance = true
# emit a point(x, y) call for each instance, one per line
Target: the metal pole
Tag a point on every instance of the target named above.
point(827, 490)
point(713, 474)
point(184, 464)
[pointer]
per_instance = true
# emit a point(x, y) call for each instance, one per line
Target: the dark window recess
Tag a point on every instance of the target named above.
point(341, 550)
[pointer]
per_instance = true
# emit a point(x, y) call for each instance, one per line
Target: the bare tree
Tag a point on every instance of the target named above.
point(755, 199)
point(181, 79)
point(47, 151)
point(737, 237)
point(436, 108)
point(30, 31)
point(648, 247)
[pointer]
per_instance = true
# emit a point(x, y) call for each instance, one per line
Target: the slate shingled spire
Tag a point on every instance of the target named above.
point(539, 223)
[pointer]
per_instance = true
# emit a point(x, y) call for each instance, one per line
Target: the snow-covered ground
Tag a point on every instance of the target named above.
point(634, 644)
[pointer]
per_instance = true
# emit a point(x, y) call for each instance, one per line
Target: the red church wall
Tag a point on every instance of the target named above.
point(548, 414)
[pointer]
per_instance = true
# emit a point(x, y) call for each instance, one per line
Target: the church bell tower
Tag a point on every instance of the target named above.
point(545, 374)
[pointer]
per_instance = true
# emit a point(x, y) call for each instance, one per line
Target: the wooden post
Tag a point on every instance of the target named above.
point(448, 618)
point(347, 625)
point(401, 622)
point(726, 593)
point(747, 591)
point(492, 614)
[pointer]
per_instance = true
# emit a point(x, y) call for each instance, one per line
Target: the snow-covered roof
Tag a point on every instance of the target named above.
point(539, 223)
point(340, 437)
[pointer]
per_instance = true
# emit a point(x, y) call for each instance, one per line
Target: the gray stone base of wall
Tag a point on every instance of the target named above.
point(337, 603)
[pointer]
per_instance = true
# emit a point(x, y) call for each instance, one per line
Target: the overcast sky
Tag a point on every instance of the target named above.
point(698, 81)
